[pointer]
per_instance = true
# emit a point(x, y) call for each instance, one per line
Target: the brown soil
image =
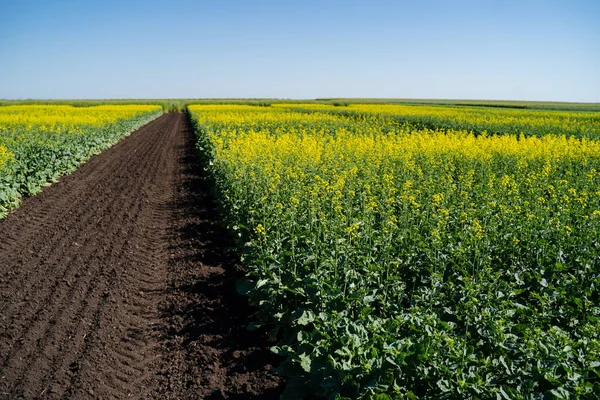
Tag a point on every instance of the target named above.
point(117, 282)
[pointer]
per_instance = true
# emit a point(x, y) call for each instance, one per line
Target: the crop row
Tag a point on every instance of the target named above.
point(409, 263)
point(40, 143)
point(472, 119)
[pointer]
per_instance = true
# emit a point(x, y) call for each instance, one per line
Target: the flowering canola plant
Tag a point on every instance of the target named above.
point(39, 143)
point(5, 157)
point(473, 119)
point(414, 263)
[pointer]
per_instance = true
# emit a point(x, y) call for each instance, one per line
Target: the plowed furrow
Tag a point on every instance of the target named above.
point(80, 269)
point(96, 223)
point(105, 291)
point(55, 302)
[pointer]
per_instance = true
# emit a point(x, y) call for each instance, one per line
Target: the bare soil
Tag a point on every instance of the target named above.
point(118, 282)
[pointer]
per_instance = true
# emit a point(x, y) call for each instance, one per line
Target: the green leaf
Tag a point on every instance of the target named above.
point(381, 396)
point(244, 286)
point(254, 325)
point(504, 394)
point(305, 362)
point(557, 394)
point(306, 318)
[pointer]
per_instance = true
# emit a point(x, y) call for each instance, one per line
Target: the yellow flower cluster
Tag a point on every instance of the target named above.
point(497, 120)
point(325, 162)
point(399, 234)
point(5, 157)
point(555, 121)
point(65, 118)
point(307, 141)
point(46, 141)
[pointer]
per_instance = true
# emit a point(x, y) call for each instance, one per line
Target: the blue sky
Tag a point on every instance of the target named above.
point(486, 49)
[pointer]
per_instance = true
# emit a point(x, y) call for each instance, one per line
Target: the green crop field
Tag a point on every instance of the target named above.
point(39, 143)
point(393, 250)
point(403, 251)
point(287, 200)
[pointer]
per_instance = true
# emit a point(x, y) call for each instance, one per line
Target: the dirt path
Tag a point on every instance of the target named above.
point(116, 282)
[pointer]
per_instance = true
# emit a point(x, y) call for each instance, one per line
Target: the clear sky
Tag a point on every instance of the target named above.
point(484, 49)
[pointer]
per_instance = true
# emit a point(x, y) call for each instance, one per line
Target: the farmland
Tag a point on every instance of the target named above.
point(379, 249)
point(417, 252)
point(39, 143)
point(473, 119)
